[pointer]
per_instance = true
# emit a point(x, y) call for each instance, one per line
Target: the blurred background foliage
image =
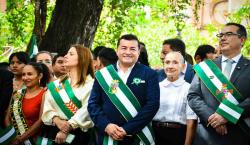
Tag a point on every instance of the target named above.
point(152, 21)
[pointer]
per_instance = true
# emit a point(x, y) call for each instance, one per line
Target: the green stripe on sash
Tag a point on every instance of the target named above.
point(59, 100)
point(71, 94)
point(43, 141)
point(224, 80)
point(124, 88)
point(227, 109)
point(7, 135)
point(211, 87)
point(113, 97)
point(128, 111)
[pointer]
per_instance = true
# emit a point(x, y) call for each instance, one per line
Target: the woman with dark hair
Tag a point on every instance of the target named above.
point(65, 105)
point(17, 61)
point(24, 112)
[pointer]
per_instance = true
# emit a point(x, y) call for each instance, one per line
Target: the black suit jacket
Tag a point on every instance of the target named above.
point(6, 88)
point(205, 104)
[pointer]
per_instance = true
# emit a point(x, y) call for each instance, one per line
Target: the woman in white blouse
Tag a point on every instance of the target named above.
point(174, 123)
point(65, 104)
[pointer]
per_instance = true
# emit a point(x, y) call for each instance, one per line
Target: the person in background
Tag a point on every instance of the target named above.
point(175, 44)
point(143, 57)
point(204, 52)
point(58, 66)
point(65, 105)
point(17, 61)
point(220, 94)
point(106, 57)
point(175, 122)
point(46, 57)
point(120, 121)
point(4, 65)
point(189, 59)
point(24, 112)
point(6, 89)
point(95, 53)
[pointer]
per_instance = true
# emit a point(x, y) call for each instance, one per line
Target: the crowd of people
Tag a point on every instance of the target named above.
point(114, 97)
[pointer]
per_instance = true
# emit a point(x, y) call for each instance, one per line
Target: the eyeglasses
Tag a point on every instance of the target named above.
point(227, 34)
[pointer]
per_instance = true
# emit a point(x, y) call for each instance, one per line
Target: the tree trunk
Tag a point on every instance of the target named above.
point(72, 21)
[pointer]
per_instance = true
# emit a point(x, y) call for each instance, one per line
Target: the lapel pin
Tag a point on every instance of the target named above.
point(238, 68)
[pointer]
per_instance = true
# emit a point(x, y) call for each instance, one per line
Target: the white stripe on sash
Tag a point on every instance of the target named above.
point(62, 92)
point(121, 96)
point(217, 82)
point(110, 141)
point(229, 110)
point(44, 141)
point(7, 135)
point(128, 105)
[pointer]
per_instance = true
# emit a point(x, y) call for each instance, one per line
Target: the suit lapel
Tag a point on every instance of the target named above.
point(132, 74)
point(218, 62)
point(241, 65)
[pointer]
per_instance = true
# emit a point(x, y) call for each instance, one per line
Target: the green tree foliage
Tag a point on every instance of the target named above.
point(242, 15)
point(152, 21)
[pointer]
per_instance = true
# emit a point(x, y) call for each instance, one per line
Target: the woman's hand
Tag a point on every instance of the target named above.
point(63, 125)
point(60, 137)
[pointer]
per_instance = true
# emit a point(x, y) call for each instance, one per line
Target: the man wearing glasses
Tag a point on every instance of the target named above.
point(220, 94)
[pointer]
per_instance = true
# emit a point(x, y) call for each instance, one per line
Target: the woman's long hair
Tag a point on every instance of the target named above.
point(85, 63)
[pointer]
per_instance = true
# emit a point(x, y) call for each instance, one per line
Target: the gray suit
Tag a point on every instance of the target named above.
point(205, 104)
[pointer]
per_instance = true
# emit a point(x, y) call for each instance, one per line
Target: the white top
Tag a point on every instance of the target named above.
point(81, 118)
point(224, 59)
point(124, 75)
point(173, 102)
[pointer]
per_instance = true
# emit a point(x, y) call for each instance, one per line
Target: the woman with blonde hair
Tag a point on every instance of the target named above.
point(65, 105)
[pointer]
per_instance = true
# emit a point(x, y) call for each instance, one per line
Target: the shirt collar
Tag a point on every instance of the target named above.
point(178, 82)
point(119, 69)
point(236, 58)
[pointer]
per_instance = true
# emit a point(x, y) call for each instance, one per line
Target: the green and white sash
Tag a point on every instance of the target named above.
point(44, 141)
point(124, 100)
point(222, 89)
point(7, 135)
point(65, 97)
point(17, 116)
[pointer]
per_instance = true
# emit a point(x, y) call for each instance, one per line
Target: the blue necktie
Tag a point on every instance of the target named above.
point(228, 68)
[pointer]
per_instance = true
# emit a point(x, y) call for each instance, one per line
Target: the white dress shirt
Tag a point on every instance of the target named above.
point(124, 75)
point(173, 102)
point(224, 59)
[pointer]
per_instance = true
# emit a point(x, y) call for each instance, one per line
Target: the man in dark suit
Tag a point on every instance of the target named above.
point(215, 129)
point(175, 45)
point(6, 88)
point(106, 117)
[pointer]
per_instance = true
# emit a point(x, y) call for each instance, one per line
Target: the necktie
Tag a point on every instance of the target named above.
point(228, 68)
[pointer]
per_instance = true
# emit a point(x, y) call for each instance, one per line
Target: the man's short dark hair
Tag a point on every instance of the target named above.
point(21, 56)
point(176, 45)
point(96, 51)
point(107, 56)
point(128, 37)
point(55, 58)
point(242, 30)
point(202, 50)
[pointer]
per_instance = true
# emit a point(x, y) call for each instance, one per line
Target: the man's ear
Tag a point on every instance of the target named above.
point(243, 40)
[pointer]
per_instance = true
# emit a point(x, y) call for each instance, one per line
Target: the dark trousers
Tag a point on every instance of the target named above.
point(81, 138)
point(169, 136)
